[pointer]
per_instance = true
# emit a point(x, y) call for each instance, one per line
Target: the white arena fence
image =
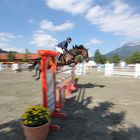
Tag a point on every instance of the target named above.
point(4, 67)
point(101, 67)
point(81, 69)
point(14, 66)
point(132, 70)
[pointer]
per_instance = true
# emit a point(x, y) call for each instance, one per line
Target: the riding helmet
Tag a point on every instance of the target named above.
point(69, 38)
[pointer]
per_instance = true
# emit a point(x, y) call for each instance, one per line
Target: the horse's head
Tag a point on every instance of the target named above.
point(79, 50)
point(82, 51)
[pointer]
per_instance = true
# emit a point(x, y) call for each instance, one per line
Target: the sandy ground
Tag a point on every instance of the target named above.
point(104, 108)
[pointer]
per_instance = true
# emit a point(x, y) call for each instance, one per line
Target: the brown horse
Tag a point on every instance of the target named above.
point(69, 58)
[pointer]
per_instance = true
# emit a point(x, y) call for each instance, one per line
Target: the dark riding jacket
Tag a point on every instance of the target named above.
point(63, 45)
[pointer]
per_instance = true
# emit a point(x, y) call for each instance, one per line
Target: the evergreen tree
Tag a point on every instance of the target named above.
point(134, 58)
point(11, 56)
point(97, 57)
point(116, 58)
point(104, 59)
point(26, 55)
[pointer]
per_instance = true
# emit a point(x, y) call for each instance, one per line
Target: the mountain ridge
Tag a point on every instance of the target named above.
point(3, 51)
point(126, 49)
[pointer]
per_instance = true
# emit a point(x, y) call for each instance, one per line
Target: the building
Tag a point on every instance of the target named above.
point(18, 57)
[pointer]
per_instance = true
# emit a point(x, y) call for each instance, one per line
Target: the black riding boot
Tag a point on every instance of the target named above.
point(60, 56)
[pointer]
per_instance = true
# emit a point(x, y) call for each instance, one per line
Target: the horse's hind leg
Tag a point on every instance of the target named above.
point(38, 75)
point(35, 73)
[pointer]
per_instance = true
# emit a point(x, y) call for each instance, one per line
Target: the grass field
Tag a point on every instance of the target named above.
point(104, 108)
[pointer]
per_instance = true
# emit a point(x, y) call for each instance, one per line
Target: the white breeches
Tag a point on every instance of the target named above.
point(59, 49)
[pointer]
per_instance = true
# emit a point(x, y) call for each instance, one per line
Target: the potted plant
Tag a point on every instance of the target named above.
point(35, 122)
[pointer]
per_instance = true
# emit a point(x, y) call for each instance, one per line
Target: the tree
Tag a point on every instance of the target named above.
point(104, 59)
point(116, 58)
point(11, 56)
point(26, 55)
point(128, 60)
point(134, 58)
point(97, 57)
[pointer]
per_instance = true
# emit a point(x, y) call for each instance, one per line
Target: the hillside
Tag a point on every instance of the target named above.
point(126, 49)
point(3, 51)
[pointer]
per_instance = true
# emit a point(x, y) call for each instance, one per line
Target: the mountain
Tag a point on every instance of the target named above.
point(126, 50)
point(3, 51)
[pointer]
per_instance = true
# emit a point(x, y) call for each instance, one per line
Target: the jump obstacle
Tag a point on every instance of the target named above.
point(110, 69)
point(49, 86)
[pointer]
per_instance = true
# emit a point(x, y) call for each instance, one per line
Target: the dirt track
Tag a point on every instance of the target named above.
point(104, 108)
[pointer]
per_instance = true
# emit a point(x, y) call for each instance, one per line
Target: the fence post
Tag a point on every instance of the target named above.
point(137, 70)
point(0, 66)
point(109, 69)
point(15, 67)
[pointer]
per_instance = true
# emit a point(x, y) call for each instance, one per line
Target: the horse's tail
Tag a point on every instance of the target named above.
point(37, 61)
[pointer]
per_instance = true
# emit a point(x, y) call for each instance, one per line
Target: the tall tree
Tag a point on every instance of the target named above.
point(134, 58)
point(104, 59)
point(116, 58)
point(26, 55)
point(11, 56)
point(97, 57)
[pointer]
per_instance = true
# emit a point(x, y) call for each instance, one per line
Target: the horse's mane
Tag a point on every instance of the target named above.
point(79, 47)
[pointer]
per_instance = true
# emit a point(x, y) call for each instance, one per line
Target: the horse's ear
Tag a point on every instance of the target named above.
point(87, 49)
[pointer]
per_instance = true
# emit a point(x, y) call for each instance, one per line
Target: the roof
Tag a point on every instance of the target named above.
point(3, 56)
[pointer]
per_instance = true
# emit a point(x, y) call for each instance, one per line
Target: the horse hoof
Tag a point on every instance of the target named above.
point(37, 79)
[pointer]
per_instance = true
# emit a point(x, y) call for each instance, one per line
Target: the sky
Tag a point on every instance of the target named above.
point(41, 24)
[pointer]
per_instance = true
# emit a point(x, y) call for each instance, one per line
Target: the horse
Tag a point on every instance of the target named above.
point(69, 58)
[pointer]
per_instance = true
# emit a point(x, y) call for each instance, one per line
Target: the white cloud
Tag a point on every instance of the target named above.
point(71, 6)
point(43, 40)
point(8, 36)
point(39, 31)
point(93, 41)
point(118, 18)
point(130, 43)
point(48, 25)
point(31, 21)
point(8, 47)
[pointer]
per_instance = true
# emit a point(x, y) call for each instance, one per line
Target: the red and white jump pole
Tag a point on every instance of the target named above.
point(48, 67)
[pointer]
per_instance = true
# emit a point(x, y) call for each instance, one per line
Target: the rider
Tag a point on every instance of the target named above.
point(62, 47)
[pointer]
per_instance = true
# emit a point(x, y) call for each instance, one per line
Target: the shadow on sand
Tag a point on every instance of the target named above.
point(93, 123)
point(90, 85)
point(87, 85)
point(82, 122)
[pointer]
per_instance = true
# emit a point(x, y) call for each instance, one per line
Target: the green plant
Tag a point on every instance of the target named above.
point(36, 116)
point(134, 58)
point(99, 58)
point(26, 55)
point(79, 58)
point(11, 56)
point(116, 58)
